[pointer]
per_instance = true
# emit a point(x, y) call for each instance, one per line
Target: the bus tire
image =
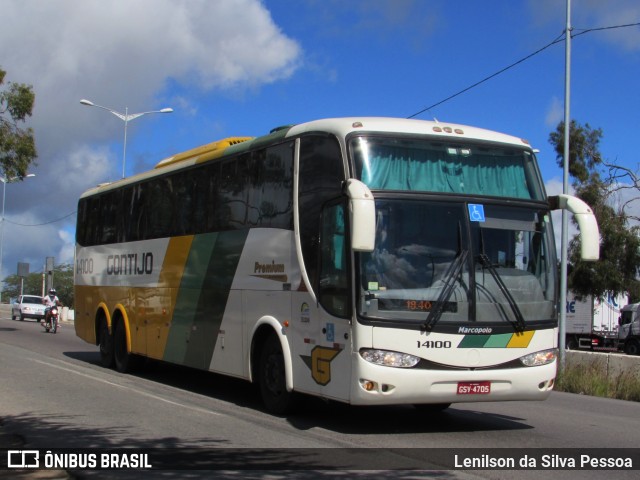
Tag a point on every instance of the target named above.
point(432, 407)
point(125, 361)
point(105, 341)
point(271, 378)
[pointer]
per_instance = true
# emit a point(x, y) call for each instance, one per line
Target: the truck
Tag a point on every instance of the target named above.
point(629, 329)
point(593, 323)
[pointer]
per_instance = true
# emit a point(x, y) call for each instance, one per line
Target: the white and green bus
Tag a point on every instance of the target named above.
point(371, 261)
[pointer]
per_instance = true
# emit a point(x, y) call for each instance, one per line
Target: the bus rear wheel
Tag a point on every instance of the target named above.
point(271, 378)
point(106, 344)
point(124, 360)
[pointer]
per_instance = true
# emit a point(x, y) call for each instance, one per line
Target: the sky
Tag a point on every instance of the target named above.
point(243, 67)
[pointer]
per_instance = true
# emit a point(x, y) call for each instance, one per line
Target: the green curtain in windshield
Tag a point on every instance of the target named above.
point(438, 171)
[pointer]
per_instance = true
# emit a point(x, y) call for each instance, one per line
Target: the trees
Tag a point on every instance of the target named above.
point(17, 145)
point(62, 282)
point(619, 262)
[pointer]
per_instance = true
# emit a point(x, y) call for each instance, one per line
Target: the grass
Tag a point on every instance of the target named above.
point(592, 380)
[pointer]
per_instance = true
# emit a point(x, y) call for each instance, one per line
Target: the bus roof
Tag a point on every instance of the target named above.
point(345, 126)
point(340, 127)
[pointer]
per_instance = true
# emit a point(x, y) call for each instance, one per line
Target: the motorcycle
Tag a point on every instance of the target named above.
point(51, 324)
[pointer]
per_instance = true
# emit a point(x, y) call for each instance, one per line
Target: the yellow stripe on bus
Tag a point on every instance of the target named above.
point(521, 339)
point(160, 315)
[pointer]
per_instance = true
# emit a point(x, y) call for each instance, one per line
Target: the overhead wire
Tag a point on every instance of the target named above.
point(589, 30)
point(41, 224)
point(558, 39)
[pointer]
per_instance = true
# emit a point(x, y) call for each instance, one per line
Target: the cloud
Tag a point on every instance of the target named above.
point(67, 251)
point(117, 53)
point(555, 113)
point(111, 52)
point(595, 14)
point(588, 14)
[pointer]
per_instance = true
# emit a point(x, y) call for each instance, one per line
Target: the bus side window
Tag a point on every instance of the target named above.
point(110, 212)
point(334, 275)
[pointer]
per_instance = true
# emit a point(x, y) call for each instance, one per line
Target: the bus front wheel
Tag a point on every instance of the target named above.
point(271, 378)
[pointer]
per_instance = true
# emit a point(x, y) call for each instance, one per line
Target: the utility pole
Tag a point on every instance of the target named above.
point(49, 271)
point(565, 189)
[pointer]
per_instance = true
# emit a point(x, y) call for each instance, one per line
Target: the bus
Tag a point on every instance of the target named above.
point(369, 261)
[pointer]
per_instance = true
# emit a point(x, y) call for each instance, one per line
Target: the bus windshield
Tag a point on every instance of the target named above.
point(445, 166)
point(481, 263)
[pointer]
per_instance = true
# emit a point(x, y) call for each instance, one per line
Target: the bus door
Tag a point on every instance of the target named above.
point(321, 335)
point(333, 366)
point(322, 362)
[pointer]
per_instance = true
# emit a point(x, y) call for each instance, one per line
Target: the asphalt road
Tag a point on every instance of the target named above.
point(54, 394)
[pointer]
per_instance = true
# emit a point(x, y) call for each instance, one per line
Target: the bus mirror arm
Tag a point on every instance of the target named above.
point(363, 215)
point(589, 231)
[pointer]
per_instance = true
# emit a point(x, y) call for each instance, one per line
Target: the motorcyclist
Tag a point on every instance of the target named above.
point(50, 301)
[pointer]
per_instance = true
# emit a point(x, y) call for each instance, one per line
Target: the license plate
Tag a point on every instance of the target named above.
point(474, 388)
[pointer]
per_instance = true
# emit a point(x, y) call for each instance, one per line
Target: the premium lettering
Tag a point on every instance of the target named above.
point(272, 267)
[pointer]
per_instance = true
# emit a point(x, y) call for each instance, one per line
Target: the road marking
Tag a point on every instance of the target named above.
point(134, 390)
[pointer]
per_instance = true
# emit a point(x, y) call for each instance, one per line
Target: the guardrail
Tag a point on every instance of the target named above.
point(612, 364)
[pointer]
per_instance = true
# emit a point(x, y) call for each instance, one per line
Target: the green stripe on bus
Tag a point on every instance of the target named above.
point(213, 297)
point(202, 297)
point(502, 340)
point(498, 341)
point(184, 312)
point(473, 341)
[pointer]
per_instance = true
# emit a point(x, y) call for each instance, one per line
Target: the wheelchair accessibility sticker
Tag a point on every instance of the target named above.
point(476, 212)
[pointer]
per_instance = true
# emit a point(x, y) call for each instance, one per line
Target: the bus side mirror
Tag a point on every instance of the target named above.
point(363, 216)
point(589, 231)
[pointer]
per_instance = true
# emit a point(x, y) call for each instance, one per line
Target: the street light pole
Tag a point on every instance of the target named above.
point(4, 181)
point(126, 117)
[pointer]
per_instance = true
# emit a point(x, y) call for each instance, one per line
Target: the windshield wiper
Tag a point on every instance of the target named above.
point(519, 324)
point(449, 283)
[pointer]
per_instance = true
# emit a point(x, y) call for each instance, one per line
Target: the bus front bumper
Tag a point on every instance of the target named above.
point(380, 385)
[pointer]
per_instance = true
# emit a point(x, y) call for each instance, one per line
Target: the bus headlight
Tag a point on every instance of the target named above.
point(388, 358)
point(539, 358)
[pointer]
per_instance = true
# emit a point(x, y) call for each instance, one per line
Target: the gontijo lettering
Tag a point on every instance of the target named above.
point(130, 264)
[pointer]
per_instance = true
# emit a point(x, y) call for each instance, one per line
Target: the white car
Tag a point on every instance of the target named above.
point(28, 306)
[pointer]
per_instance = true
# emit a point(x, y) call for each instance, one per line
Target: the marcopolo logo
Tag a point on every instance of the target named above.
point(475, 330)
